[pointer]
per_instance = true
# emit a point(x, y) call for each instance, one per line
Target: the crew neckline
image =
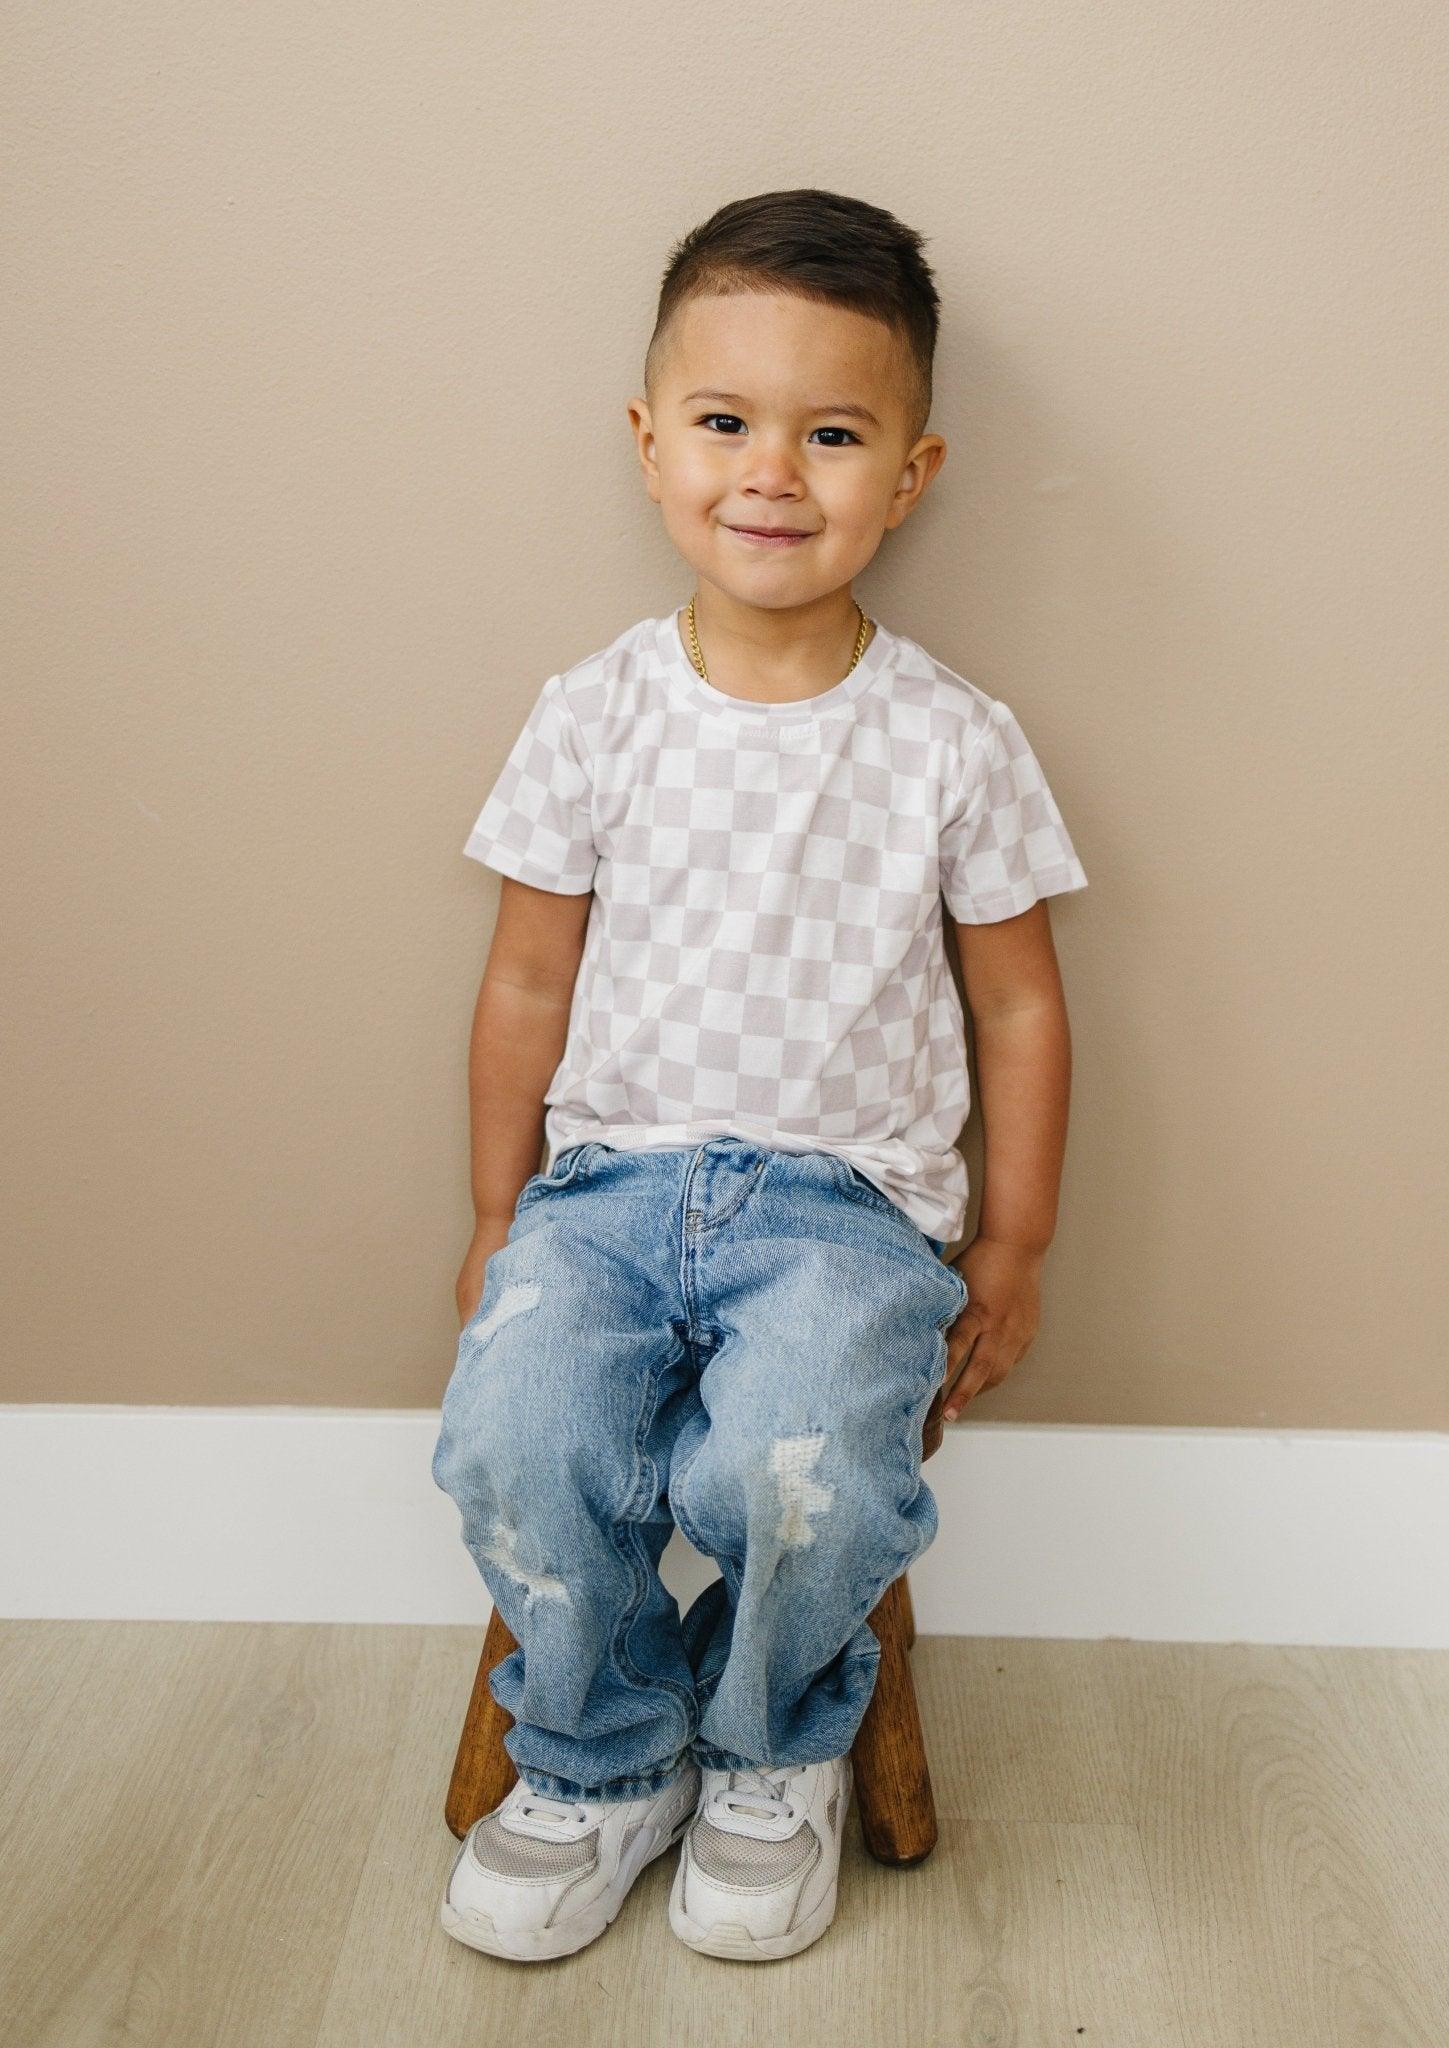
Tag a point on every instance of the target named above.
point(745, 710)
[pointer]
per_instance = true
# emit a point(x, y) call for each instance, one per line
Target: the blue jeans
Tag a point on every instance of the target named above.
point(737, 1339)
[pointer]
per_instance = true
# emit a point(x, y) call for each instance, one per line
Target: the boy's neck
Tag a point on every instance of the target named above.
point(774, 657)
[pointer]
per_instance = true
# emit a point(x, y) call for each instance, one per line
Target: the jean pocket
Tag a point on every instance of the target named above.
point(859, 1187)
point(565, 1170)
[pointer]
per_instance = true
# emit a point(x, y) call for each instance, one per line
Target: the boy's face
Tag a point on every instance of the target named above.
point(750, 428)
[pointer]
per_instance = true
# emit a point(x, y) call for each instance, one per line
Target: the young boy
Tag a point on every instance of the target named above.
point(717, 988)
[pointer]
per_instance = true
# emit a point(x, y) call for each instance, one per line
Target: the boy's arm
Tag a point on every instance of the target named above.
point(1023, 1066)
point(520, 1024)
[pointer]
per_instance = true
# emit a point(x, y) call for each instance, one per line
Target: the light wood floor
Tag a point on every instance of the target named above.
point(232, 1833)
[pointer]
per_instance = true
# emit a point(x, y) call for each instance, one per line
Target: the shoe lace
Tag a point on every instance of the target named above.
point(765, 1794)
point(552, 1812)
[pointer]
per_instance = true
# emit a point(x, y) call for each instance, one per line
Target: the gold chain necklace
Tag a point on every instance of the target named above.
point(698, 658)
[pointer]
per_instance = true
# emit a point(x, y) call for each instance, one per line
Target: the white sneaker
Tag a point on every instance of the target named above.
point(758, 1872)
point(541, 1877)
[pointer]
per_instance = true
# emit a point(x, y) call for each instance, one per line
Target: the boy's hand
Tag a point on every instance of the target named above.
point(488, 1235)
point(998, 1323)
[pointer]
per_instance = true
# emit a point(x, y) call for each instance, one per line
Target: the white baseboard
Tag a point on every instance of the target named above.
point(309, 1514)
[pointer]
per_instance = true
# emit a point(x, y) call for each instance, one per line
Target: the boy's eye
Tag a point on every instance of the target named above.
point(849, 436)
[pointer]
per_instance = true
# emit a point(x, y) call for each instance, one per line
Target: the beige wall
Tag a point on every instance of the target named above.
point(322, 329)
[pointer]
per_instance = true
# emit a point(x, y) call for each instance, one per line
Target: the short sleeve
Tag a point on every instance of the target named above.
point(1003, 844)
point(536, 823)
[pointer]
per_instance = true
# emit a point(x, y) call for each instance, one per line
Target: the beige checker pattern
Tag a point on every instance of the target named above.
point(764, 954)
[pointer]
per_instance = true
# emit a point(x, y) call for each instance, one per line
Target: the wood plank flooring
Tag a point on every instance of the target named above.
point(232, 1834)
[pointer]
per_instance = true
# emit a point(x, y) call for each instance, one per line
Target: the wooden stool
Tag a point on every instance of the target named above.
point(892, 1783)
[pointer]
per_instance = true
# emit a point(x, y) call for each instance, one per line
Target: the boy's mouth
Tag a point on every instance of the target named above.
point(766, 537)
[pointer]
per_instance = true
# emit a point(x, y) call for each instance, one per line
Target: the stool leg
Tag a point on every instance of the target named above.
point(483, 1771)
point(892, 1781)
point(908, 1610)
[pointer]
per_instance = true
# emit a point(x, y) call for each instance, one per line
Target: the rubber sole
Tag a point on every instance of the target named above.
point(476, 1930)
point(735, 1944)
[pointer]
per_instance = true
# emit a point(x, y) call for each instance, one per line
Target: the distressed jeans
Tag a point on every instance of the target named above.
point(734, 1338)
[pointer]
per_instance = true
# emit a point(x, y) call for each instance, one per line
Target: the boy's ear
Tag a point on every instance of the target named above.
point(643, 425)
point(921, 464)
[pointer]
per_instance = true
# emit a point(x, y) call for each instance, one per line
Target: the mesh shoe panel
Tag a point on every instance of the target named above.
point(525, 1856)
point(744, 1859)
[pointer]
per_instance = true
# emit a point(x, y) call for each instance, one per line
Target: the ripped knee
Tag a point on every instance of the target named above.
point(516, 1299)
point(501, 1549)
point(800, 1496)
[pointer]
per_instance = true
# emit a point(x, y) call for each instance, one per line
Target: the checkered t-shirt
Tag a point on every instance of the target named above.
point(764, 950)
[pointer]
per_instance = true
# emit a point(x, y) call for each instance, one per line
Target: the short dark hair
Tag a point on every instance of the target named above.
point(812, 245)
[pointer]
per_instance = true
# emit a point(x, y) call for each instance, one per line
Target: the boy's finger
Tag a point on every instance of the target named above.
point(972, 1380)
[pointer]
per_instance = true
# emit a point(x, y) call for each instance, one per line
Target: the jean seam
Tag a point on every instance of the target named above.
point(679, 1480)
point(686, 1525)
point(714, 1222)
point(649, 1680)
point(639, 1564)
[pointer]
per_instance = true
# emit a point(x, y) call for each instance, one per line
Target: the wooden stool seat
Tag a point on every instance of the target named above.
point(892, 1782)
